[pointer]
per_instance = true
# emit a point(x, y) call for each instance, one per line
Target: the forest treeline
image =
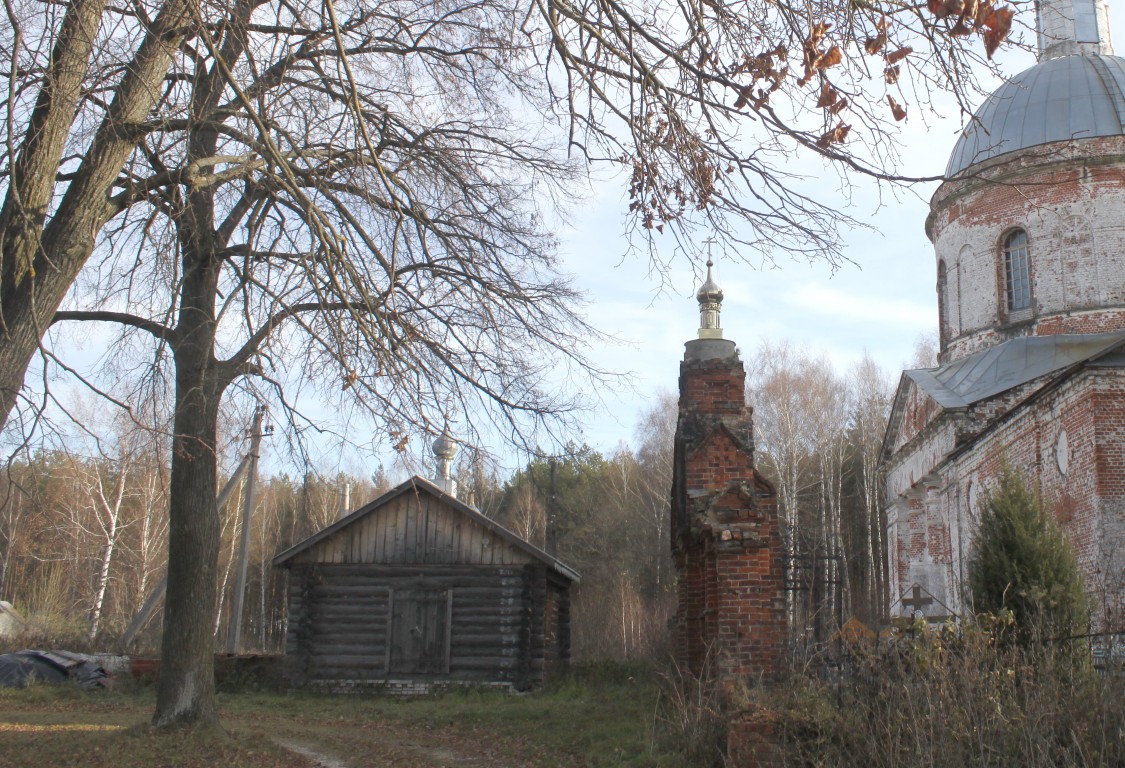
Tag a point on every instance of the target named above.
point(83, 534)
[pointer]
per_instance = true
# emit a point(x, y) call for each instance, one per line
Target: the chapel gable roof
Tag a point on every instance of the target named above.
point(421, 486)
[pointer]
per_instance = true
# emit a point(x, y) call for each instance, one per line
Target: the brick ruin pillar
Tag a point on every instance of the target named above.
point(726, 536)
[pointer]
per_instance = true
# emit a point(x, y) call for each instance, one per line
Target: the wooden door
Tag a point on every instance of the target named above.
point(420, 631)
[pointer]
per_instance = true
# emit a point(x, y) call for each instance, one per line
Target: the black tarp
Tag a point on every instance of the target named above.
point(19, 669)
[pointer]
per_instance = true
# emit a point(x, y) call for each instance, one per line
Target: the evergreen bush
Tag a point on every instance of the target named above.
point(1021, 562)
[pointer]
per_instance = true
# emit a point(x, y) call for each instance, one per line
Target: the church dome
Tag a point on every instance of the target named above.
point(1060, 99)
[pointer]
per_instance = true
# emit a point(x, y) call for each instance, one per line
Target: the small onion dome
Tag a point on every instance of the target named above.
point(710, 292)
point(710, 298)
point(444, 447)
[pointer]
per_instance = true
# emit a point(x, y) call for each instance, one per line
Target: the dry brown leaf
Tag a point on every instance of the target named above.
point(898, 55)
point(744, 95)
point(1000, 21)
point(830, 59)
point(984, 10)
point(944, 8)
point(890, 75)
point(838, 107)
point(897, 109)
point(835, 136)
point(827, 98)
point(874, 45)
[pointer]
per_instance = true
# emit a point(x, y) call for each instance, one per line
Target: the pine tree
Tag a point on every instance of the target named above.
point(1022, 563)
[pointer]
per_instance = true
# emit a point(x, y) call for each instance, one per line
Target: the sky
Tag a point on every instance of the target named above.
point(879, 304)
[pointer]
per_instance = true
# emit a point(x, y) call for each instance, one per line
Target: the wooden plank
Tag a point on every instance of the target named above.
point(384, 570)
point(332, 589)
point(379, 551)
point(437, 541)
point(374, 641)
point(448, 628)
point(353, 624)
point(462, 663)
point(393, 533)
point(371, 535)
point(347, 661)
point(410, 547)
point(389, 616)
point(354, 549)
point(328, 624)
point(486, 640)
point(477, 587)
point(420, 523)
point(365, 650)
point(358, 602)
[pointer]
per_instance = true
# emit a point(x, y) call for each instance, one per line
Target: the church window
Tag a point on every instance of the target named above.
point(943, 321)
point(1017, 270)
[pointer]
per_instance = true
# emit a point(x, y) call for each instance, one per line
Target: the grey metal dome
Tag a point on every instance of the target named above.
point(1071, 97)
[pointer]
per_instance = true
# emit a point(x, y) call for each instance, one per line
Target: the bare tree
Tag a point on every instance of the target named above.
point(655, 433)
point(347, 195)
point(800, 422)
point(374, 236)
point(703, 104)
point(871, 403)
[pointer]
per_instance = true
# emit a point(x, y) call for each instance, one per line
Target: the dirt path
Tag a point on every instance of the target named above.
point(318, 757)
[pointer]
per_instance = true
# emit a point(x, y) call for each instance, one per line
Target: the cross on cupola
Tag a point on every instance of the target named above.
point(710, 298)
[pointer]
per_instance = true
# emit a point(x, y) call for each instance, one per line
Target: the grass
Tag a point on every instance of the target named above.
point(600, 718)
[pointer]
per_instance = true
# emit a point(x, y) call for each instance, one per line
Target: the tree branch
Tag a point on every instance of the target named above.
point(243, 355)
point(161, 332)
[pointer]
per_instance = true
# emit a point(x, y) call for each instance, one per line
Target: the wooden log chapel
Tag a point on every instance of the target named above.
point(417, 590)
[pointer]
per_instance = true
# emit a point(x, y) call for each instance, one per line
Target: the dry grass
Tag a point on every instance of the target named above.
point(601, 719)
point(951, 699)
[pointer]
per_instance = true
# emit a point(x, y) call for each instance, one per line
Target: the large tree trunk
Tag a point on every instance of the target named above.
point(186, 693)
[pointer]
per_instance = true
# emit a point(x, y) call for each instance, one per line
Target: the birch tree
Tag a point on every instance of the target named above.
point(871, 403)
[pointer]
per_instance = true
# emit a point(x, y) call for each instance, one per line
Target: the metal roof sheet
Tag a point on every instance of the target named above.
point(1070, 97)
point(991, 371)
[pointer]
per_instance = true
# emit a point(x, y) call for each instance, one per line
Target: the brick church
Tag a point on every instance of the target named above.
point(1029, 235)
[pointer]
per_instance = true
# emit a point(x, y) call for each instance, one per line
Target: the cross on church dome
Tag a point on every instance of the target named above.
point(710, 298)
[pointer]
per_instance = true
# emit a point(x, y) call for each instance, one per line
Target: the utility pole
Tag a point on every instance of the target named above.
point(551, 537)
point(235, 637)
point(153, 599)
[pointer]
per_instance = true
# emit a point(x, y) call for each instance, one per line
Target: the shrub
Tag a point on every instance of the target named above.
point(951, 698)
point(1021, 562)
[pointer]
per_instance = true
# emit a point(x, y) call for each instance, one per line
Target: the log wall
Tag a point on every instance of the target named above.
point(505, 622)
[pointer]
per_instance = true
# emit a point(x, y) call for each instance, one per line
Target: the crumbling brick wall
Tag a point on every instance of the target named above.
point(726, 537)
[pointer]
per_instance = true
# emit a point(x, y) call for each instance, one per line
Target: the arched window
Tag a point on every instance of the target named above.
point(943, 321)
point(1017, 271)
